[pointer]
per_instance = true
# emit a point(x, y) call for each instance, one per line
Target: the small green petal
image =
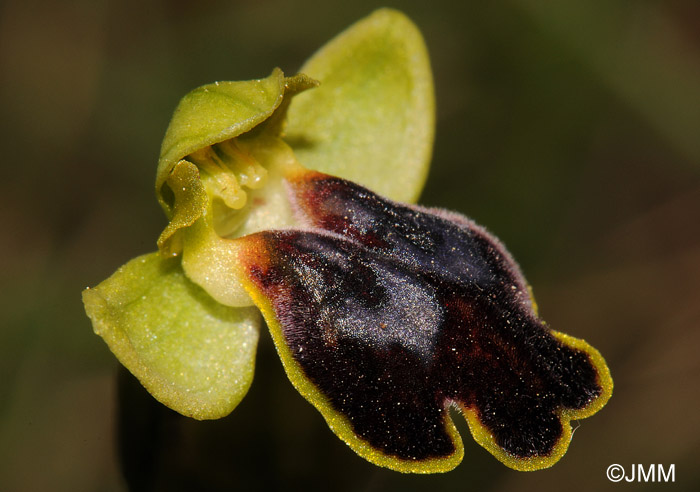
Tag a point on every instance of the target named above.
point(189, 205)
point(372, 118)
point(191, 353)
point(214, 113)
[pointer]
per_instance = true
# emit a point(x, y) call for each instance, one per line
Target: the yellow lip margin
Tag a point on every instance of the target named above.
point(486, 439)
point(338, 422)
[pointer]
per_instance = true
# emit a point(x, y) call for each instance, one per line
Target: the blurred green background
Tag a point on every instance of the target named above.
point(569, 129)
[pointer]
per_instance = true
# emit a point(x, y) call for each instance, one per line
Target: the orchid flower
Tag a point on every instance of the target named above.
point(286, 196)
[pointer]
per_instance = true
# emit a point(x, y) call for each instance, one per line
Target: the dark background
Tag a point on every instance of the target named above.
point(571, 132)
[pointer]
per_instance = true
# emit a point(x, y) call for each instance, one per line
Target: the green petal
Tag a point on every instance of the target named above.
point(214, 113)
point(372, 118)
point(191, 353)
point(189, 205)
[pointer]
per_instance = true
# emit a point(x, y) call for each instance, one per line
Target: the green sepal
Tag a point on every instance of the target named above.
point(191, 353)
point(372, 118)
point(211, 114)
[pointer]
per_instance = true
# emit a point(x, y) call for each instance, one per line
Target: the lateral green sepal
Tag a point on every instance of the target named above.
point(191, 353)
point(372, 118)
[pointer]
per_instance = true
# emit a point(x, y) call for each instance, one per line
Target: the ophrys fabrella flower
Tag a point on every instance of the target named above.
point(384, 315)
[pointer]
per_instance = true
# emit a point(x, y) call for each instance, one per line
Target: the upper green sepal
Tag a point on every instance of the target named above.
point(213, 113)
point(372, 118)
point(190, 352)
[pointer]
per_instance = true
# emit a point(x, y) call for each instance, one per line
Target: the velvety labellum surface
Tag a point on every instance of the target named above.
point(385, 315)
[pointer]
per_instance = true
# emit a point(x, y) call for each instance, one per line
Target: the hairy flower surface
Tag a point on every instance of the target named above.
point(385, 315)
